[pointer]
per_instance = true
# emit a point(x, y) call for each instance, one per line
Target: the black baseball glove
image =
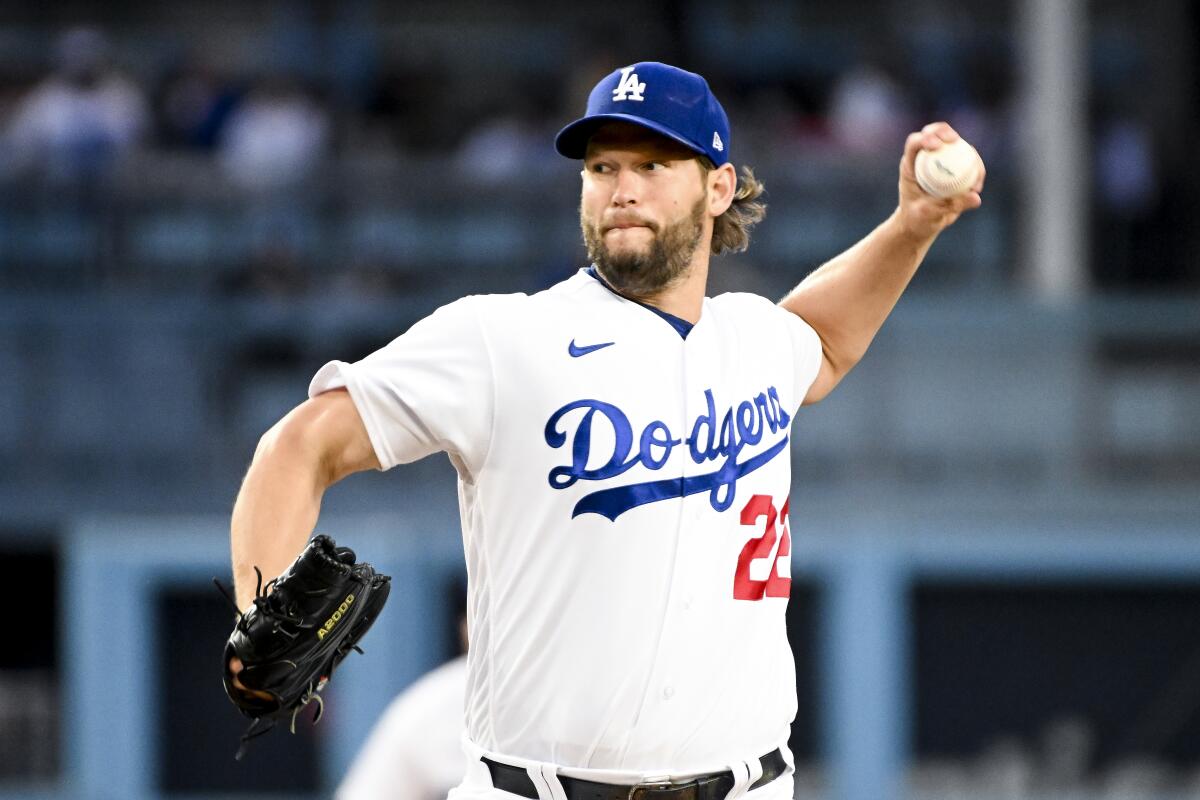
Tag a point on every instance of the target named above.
point(301, 626)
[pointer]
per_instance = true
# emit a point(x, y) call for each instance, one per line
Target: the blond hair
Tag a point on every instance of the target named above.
point(731, 230)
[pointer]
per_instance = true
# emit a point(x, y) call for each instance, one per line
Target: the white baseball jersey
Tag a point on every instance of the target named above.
point(414, 751)
point(624, 493)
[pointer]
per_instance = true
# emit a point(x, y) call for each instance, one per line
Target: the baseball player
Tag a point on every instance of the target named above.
point(414, 752)
point(622, 449)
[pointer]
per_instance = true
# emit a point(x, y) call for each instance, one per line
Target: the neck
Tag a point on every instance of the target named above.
point(684, 297)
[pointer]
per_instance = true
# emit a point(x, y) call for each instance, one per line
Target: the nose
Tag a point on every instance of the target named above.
point(627, 189)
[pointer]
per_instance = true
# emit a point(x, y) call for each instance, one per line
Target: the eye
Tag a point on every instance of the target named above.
point(599, 168)
point(654, 166)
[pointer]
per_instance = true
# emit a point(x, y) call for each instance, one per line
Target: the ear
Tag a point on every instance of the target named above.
point(722, 183)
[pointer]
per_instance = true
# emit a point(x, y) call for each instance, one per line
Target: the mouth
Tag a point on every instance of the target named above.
point(625, 226)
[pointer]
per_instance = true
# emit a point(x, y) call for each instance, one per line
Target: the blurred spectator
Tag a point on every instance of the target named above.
point(1125, 173)
point(775, 122)
point(275, 137)
point(509, 144)
point(1133, 247)
point(77, 121)
point(982, 110)
point(193, 105)
point(1006, 768)
point(869, 112)
point(1068, 744)
point(500, 149)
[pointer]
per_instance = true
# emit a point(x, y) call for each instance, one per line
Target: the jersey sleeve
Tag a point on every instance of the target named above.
point(426, 391)
point(806, 354)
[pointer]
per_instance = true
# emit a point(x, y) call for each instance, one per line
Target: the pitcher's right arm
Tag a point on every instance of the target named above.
point(313, 447)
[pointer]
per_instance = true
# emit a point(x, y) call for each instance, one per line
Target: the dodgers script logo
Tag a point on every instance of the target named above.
point(710, 440)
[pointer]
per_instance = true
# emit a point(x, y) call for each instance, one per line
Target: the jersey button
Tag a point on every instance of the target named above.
point(669, 692)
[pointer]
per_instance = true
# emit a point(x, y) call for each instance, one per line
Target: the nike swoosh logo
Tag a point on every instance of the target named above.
point(576, 351)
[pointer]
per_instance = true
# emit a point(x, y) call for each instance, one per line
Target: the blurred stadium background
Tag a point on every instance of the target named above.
point(997, 517)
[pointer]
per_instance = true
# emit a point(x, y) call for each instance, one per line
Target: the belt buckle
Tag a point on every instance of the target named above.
point(651, 784)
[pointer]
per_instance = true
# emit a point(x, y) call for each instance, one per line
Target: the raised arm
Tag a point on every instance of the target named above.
point(847, 299)
point(317, 444)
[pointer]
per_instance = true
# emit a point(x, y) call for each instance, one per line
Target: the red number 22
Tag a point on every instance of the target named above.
point(762, 548)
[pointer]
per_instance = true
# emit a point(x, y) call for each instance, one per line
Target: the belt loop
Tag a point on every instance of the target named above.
point(545, 778)
point(755, 766)
point(741, 779)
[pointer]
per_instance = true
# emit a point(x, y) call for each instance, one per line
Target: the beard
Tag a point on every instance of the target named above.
point(646, 272)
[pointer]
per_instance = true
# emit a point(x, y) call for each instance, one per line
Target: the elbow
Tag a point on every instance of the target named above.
point(277, 441)
point(267, 442)
point(840, 363)
point(840, 349)
point(835, 365)
point(840, 359)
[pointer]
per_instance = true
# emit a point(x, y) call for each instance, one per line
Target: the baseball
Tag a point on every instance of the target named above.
point(950, 170)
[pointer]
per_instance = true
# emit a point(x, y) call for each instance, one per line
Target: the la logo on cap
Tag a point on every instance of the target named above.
point(718, 145)
point(629, 88)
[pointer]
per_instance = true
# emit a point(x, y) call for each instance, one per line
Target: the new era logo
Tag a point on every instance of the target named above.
point(718, 145)
point(629, 88)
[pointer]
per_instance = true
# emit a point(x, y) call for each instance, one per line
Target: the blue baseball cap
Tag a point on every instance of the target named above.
point(667, 100)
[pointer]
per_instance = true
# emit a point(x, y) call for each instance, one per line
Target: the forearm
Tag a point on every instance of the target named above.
point(276, 510)
point(848, 298)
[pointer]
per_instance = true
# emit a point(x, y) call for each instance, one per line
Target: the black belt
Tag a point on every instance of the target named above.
point(713, 786)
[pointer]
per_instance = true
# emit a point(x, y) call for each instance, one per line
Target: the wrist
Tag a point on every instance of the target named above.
point(912, 232)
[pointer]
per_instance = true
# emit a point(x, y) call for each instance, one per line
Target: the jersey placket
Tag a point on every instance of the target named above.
point(672, 676)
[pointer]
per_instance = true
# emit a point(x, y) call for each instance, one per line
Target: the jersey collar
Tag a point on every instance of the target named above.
point(681, 326)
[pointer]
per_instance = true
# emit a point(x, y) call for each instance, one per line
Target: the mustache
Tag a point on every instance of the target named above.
point(626, 221)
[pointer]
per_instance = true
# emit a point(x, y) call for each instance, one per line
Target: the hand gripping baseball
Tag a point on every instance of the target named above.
point(922, 214)
point(284, 648)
